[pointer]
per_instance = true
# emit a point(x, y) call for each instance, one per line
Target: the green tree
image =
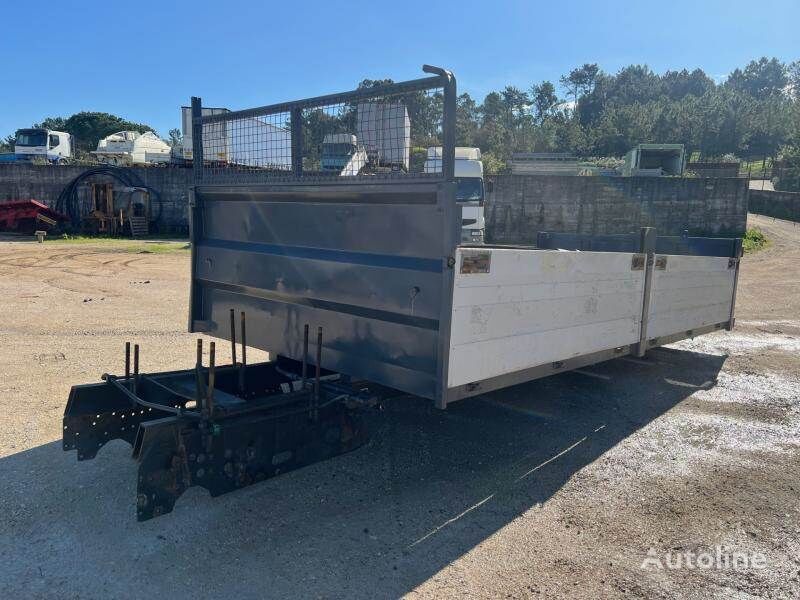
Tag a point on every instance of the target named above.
point(467, 119)
point(54, 123)
point(88, 128)
point(580, 81)
point(793, 73)
point(7, 143)
point(789, 169)
point(544, 101)
point(175, 138)
point(762, 77)
point(755, 112)
point(679, 84)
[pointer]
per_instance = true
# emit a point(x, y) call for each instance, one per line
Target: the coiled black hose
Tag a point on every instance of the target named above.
point(68, 203)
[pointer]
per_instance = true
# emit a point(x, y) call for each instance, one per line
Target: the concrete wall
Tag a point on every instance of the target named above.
point(781, 205)
point(519, 206)
point(714, 169)
point(45, 183)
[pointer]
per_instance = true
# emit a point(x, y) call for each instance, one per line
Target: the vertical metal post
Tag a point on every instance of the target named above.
point(647, 246)
point(318, 371)
point(198, 374)
point(135, 367)
point(449, 128)
point(452, 224)
point(127, 360)
point(211, 380)
point(737, 256)
point(243, 366)
point(195, 214)
point(297, 141)
point(304, 371)
point(233, 338)
point(197, 139)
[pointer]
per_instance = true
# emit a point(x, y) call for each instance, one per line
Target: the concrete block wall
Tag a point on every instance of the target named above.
point(45, 183)
point(519, 206)
point(781, 205)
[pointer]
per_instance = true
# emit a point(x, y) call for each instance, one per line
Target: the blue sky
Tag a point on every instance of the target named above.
point(142, 60)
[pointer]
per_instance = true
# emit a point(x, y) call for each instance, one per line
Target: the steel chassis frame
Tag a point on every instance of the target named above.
point(251, 422)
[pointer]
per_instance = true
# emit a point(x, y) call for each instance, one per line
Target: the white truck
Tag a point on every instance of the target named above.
point(46, 144)
point(232, 142)
point(126, 148)
point(342, 154)
point(470, 189)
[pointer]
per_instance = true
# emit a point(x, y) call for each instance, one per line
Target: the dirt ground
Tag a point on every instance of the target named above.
point(559, 487)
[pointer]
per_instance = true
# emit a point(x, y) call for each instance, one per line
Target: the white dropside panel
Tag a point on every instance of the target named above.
point(514, 309)
point(689, 292)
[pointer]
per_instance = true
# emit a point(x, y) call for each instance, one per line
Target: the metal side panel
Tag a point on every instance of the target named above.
point(630, 242)
point(366, 263)
point(516, 309)
point(689, 293)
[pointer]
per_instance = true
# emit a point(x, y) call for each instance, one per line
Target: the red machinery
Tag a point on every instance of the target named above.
point(27, 216)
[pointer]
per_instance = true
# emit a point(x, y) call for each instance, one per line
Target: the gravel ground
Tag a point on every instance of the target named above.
point(553, 488)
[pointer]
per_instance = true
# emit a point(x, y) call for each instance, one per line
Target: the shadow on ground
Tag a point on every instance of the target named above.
point(378, 522)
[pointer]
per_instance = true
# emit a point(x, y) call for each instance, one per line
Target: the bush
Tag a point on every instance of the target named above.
point(788, 176)
point(753, 241)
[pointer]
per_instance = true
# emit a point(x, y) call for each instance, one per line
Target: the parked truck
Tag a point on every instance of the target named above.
point(358, 284)
point(342, 154)
point(127, 148)
point(470, 189)
point(41, 144)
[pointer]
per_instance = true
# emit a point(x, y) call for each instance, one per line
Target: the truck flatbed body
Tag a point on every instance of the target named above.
point(374, 265)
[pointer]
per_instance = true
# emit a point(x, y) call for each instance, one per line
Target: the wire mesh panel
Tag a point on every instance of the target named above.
point(375, 132)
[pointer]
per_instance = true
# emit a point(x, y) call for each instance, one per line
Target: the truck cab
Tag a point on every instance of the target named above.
point(470, 193)
point(53, 146)
point(341, 153)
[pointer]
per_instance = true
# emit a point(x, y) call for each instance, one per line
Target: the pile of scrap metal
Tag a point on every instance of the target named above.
point(118, 211)
point(144, 202)
point(27, 216)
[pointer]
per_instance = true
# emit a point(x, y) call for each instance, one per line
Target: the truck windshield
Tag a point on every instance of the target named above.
point(469, 189)
point(31, 137)
point(337, 149)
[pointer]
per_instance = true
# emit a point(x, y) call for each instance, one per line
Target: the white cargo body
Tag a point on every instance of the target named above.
point(521, 309)
point(132, 148)
point(384, 129)
point(249, 141)
point(520, 313)
point(689, 293)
